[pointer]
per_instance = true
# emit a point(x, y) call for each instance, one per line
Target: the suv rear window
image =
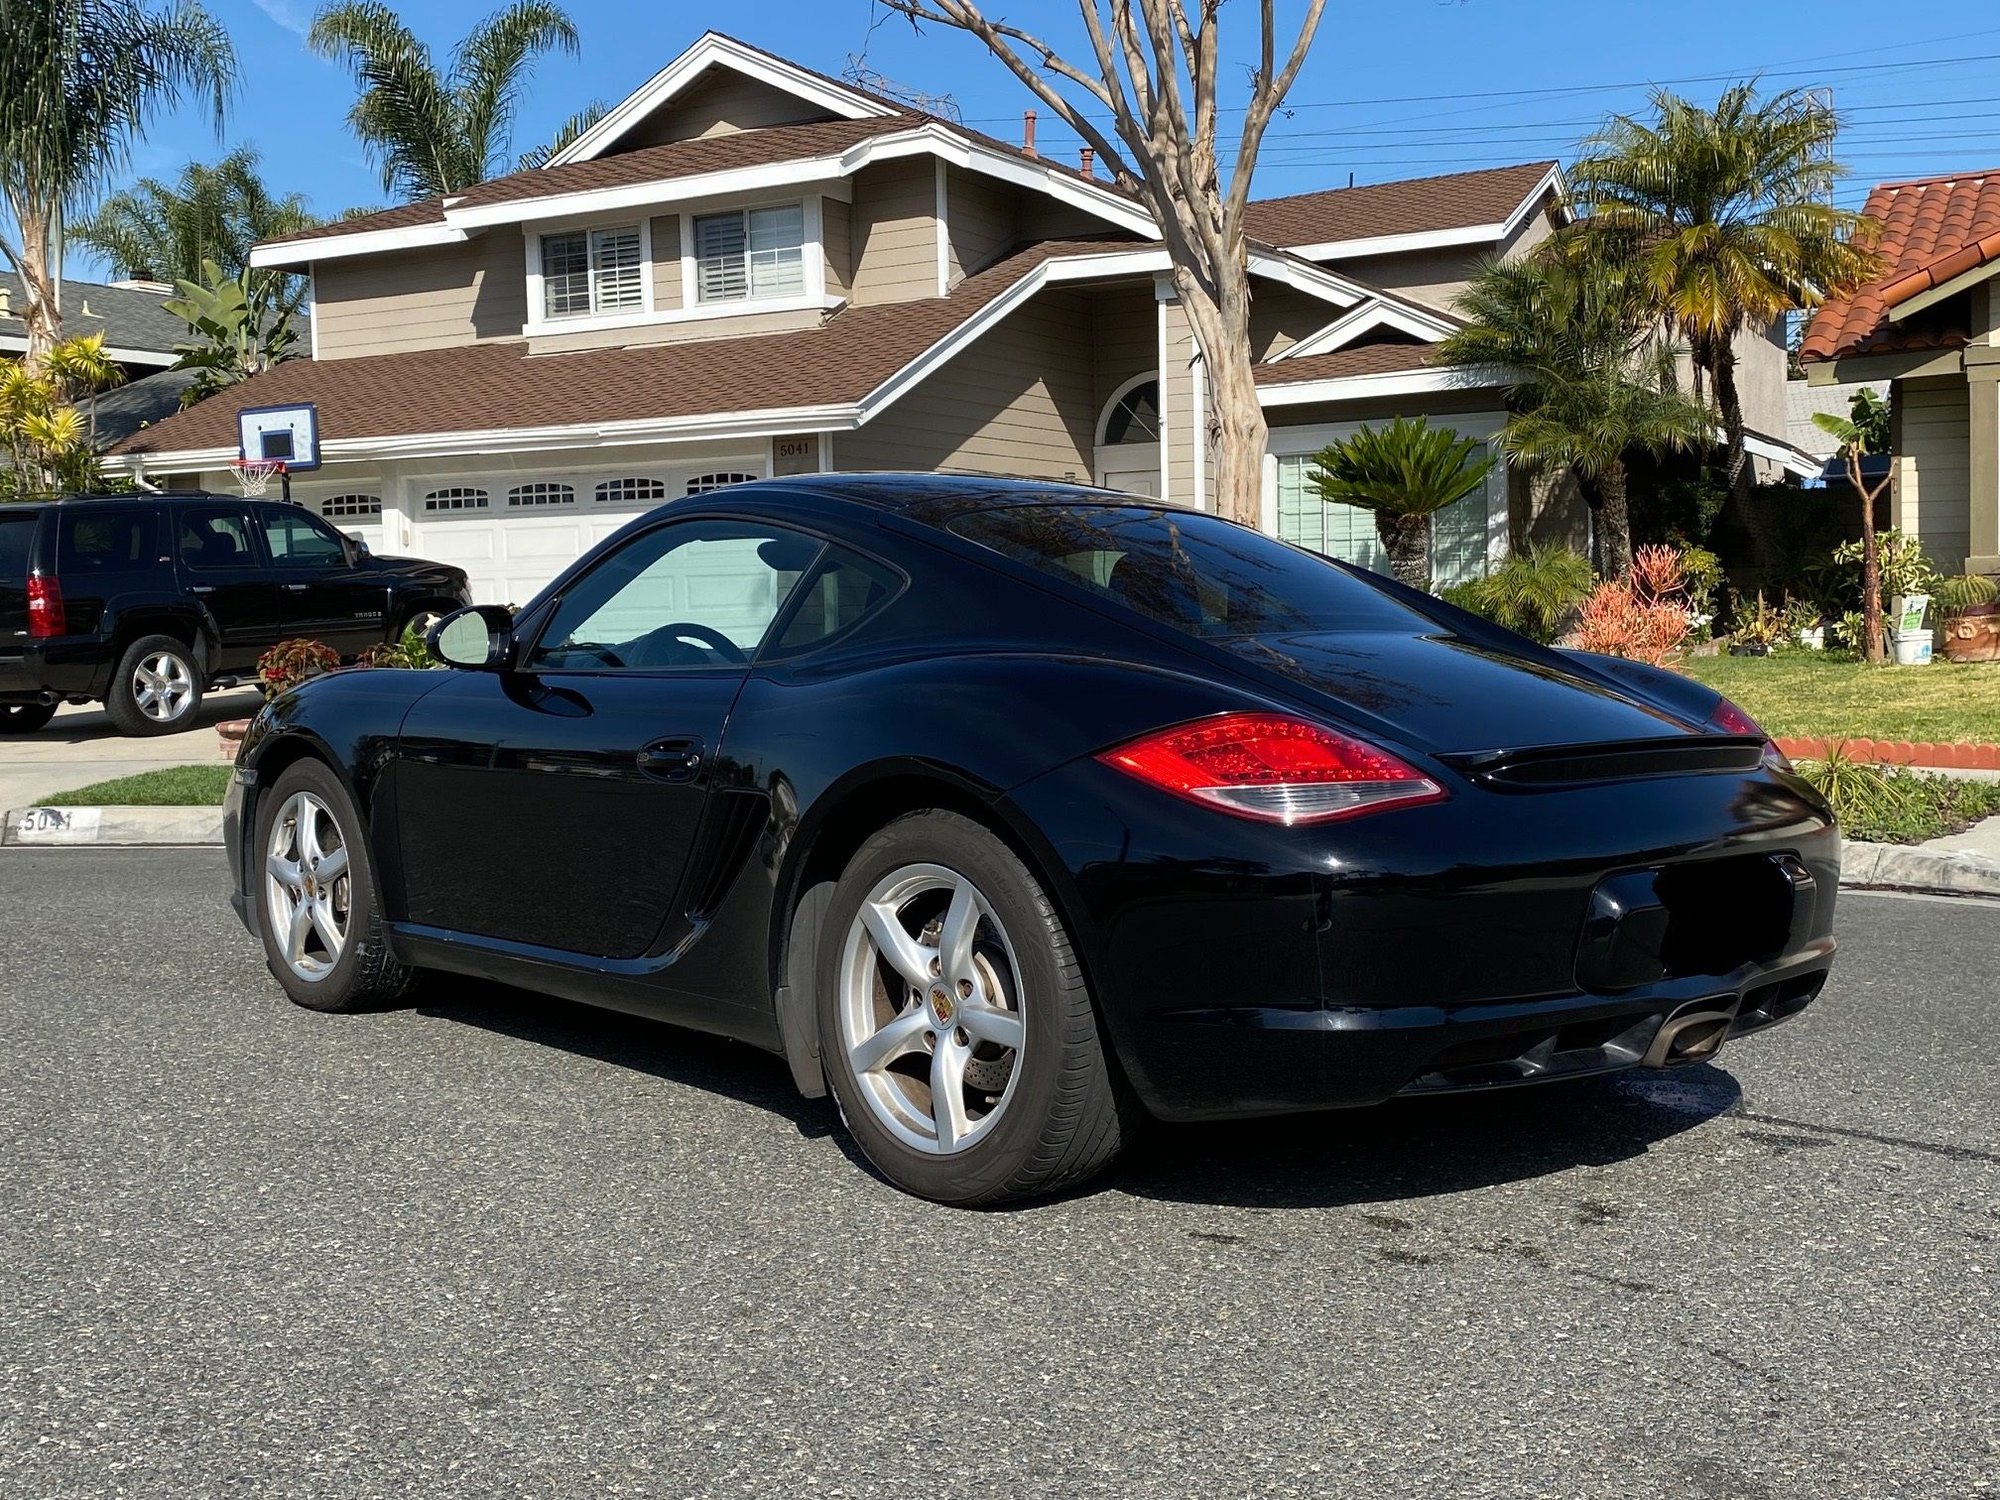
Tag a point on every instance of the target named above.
point(105, 541)
point(1186, 569)
point(17, 536)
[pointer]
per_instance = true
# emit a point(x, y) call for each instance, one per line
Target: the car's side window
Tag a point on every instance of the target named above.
point(843, 591)
point(688, 594)
point(299, 541)
point(214, 539)
point(98, 540)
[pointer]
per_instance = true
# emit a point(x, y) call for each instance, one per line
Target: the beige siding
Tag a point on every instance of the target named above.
point(1018, 401)
point(719, 327)
point(1125, 338)
point(1280, 317)
point(432, 298)
point(720, 102)
point(895, 232)
point(1931, 493)
point(836, 233)
point(1436, 277)
point(1179, 411)
point(982, 219)
point(1043, 218)
point(666, 262)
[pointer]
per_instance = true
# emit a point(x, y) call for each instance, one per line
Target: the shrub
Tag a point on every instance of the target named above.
point(1534, 592)
point(1645, 617)
point(410, 651)
point(1897, 806)
point(1903, 567)
point(290, 663)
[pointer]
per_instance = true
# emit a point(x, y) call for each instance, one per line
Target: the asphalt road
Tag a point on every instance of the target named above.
point(504, 1247)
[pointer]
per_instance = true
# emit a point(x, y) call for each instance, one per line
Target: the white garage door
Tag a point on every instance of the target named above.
point(357, 512)
point(513, 535)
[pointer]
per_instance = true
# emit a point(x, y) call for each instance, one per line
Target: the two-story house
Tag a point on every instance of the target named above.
point(748, 268)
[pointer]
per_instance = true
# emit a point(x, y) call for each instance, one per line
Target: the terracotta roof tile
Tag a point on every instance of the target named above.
point(1931, 230)
point(1414, 206)
point(485, 386)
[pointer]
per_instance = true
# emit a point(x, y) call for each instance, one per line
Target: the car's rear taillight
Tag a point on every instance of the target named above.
point(45, 608)
point(1730, 718)
point(1274, 768)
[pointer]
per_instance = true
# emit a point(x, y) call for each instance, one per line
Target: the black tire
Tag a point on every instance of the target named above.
point(364, 975)
point(123, 705)
point(25, 718)
point(1069, 1112)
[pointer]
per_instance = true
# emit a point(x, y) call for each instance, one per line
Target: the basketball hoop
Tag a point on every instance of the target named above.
point(254, 474)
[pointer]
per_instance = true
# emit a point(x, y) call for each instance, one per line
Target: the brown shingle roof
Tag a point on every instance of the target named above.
point(403, 216)
point(1932, 230)
point(1358, 359)
point(1417, 205)
point(486, 386)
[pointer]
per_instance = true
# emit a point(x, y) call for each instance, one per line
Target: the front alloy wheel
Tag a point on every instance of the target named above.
point(308, 899)
point(929, 1012)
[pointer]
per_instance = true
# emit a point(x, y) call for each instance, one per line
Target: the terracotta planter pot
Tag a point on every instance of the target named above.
point(230, 732)
point(1970, 637)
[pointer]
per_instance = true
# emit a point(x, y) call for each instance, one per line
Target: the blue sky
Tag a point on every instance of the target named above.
point(1394, 88)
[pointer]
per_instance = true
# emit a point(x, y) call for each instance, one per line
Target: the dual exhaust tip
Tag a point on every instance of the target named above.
point(1689, 1036)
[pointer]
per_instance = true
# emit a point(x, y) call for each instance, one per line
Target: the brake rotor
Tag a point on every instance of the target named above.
point(989, 1075)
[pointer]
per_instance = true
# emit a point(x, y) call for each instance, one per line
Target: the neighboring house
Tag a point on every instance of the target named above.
point(1804, 401)
point(748, 268)
point(139, 334)
point(1929, 324)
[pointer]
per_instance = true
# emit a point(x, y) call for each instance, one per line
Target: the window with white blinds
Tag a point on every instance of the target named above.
point(631, 491)
point(750, 254)
point(526, 495)
point(592, 271)
point(701, 484)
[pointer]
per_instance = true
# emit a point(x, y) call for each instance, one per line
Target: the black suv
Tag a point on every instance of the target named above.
point(146, 601)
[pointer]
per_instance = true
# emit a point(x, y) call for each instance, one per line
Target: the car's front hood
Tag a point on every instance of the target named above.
point(1446, 695)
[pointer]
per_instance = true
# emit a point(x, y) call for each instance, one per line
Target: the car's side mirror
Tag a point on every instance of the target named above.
point(480, 638)
point(360, 548)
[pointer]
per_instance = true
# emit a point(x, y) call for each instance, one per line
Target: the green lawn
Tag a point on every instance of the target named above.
point(1804, 695)
point(172, 786)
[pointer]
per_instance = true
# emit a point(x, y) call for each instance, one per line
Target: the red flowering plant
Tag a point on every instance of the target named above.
point(1646, 616)
point(290, 663)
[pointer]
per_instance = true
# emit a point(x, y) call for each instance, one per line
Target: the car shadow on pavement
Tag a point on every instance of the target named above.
point(1421, 1148)
point(78, 725)
point(1405, 1149)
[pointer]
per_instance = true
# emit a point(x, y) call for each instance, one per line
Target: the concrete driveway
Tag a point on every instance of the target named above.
point(80, 747)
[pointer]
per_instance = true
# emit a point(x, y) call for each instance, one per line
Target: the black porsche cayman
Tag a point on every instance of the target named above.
point(1014, 813)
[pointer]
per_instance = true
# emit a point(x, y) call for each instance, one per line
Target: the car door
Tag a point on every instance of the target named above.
point(322, 594)
point(222, 564)
point(555, 803)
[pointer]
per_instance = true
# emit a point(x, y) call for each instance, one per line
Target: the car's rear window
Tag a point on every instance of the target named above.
point(106, 541)
point(17, 535)
point(1185, 569)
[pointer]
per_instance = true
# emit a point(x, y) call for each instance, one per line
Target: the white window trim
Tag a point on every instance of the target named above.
point(812, 255)
point(1300, 442)
point(538, 320)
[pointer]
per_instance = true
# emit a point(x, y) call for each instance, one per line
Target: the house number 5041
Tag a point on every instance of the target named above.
point(795, 447)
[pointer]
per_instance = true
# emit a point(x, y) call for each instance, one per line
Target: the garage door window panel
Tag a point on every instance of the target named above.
point(701, 594)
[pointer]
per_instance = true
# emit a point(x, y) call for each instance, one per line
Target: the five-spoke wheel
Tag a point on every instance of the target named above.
point(308, 898)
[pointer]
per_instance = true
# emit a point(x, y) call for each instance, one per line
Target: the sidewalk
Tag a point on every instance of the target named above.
point(79, 747)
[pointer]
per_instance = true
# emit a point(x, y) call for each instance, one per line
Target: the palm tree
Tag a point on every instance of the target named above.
point(79, 81)
point(438, 133)
point(1589, 378)
point(565, 136)
point(1405, 474)
point(1726, 214)
point(161, 231)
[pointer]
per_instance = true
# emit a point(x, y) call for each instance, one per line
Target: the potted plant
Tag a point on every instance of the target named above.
point(1971, 617)
point(1906, 578)
point(1758, 629)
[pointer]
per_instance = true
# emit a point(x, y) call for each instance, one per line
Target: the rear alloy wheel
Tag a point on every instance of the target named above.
point(317, 908)
point(25, 718)
point(156, 688)
point(956, 1027)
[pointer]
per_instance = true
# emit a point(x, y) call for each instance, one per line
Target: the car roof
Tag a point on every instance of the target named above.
point(915, 491)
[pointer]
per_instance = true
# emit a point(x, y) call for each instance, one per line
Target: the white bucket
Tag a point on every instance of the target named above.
point(1912, 648)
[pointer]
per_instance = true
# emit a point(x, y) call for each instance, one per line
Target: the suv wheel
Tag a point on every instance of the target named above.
point(156, 688)
point(25, 718)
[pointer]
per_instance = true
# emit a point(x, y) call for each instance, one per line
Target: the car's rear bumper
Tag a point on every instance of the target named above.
point(1488, 941)
point(66, 667)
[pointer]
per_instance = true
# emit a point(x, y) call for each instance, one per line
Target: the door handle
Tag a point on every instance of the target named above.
point(295, 588)
point(201, 588)
point(671, 760)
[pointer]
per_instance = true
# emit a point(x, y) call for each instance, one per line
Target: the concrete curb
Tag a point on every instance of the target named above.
point(57, 827)
point(1903, 867)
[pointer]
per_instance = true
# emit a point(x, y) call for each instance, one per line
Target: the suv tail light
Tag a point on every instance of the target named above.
point(1730, 718)
point(1273, 768)
point(45, 608)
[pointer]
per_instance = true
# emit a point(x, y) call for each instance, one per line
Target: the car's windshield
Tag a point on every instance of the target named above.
point(1188, 570)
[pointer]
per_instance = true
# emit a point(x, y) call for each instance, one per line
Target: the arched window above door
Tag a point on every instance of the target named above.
point(1133, 415)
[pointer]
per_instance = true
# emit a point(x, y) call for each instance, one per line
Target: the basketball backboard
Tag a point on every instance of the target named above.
point(286, 433)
